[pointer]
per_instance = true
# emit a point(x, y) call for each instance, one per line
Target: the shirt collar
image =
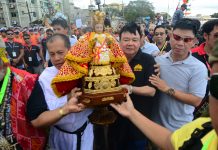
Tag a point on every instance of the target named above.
point(185, 61)
point(138, 55)
point(6, 40)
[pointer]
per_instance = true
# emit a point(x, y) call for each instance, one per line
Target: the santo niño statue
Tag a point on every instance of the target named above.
point(98, 65)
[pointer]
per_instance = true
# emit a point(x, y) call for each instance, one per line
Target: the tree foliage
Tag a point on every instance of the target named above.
point(215, 15)
point(137, 9)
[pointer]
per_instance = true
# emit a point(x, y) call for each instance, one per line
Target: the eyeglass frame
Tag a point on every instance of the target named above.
point(181, 38)
point(159, 33)
point(12, 33)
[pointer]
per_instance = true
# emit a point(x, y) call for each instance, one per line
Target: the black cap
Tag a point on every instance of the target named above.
point(184, 6)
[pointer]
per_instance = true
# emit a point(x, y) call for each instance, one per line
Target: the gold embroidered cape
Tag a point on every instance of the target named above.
point(85, 53)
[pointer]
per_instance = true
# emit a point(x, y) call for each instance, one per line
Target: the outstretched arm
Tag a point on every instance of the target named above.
point(148, 127)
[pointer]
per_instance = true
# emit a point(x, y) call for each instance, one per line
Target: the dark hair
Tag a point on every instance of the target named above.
point(10, 29)
point(160, 26)
point(132, 28)
point(60, 36)
point(197, 23)
point(49, 30)
point(87, 29)
point(61, 22)
point(168, 27)
point(187, 24)
point(209, 25)
point(107, 22)
point(184, 6)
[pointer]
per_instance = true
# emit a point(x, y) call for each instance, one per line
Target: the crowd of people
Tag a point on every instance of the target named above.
point(175, 84)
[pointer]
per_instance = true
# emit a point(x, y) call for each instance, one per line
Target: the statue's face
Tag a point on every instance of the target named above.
point(99, 28)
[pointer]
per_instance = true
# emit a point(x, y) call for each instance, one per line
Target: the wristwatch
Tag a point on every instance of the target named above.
point(61, 112)
point(170, 92)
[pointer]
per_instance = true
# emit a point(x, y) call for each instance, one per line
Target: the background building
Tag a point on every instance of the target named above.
point(22, 12)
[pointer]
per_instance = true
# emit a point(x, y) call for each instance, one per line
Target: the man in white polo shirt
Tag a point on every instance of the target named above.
point(182, 81)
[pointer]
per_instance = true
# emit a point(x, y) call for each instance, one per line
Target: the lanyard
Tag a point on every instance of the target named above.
point(11, 46)
point(29, 48)
point(4, 85)
point(163, 47)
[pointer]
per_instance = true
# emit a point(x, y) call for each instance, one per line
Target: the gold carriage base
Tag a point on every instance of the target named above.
point(100, 88)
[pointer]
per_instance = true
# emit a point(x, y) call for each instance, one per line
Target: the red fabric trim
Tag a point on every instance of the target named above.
point(199, 49)
point(66, 87)
point(125, 80)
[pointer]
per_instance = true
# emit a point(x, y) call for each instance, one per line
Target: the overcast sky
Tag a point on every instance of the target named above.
point(204, 7)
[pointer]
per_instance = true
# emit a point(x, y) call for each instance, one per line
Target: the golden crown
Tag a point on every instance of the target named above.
point(99, 17)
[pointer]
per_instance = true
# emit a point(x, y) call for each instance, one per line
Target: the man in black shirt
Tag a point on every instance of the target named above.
point(31, 62)
point(14, 50)
point(123, 134)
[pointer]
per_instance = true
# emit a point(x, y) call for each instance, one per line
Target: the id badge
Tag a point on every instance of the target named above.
point(30, 58)
point(14, 54)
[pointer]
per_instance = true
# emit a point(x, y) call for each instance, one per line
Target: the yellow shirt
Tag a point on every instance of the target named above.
point(209, 141)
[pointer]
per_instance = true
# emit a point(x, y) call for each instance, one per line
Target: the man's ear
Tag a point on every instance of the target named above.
point(195, 42)
point(205, 35)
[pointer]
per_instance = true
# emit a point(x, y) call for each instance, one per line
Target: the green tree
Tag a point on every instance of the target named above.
point(138, 9)
point(215, 15)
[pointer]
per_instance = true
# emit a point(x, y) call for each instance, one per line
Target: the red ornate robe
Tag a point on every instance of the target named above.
point(27, 136)
point(85, 52)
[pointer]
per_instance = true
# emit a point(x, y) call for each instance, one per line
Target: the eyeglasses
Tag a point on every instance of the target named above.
point(159, 33)
point(179, 38)
point(10, 33)
point(16, 33)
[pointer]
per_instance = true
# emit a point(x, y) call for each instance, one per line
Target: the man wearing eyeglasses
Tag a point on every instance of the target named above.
point(182, 81)
point(17, 37)
point(160, 35)
point(210, 34)
point(202, 52)
point(14, 49)
point(31, 62)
